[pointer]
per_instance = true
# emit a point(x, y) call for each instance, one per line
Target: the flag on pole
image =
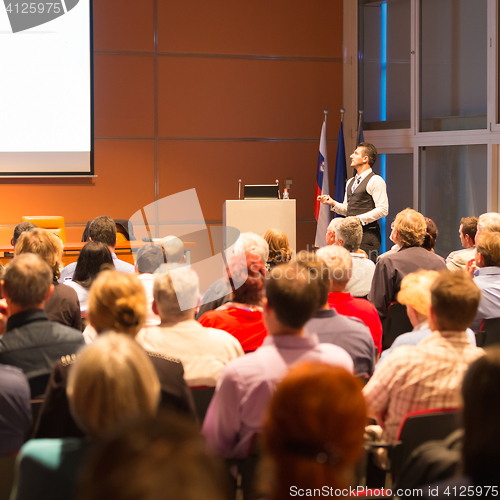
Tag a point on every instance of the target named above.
point(340, 169)
point(360, 131)
point(321, 211)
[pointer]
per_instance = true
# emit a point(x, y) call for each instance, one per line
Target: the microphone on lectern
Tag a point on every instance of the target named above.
point(278, 184)
point(239, 189)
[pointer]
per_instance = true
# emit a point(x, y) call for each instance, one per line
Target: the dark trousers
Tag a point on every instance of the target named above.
point(371, 240)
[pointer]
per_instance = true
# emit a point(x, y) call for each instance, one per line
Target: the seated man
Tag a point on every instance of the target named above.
point(246, 385)
point(409, 233)
point(415, 294)
point(487, 277)
point(332, 328)
point(428, 375)
point(339, 261)
point(467, 231)
point(488, 223)
point(20, 229)
point(32, 342)
point(349, 236)
point(203, 351)
point(332, 229)
point(103, 230)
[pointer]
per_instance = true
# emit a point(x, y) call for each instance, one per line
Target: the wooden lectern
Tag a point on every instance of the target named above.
point(258, 216)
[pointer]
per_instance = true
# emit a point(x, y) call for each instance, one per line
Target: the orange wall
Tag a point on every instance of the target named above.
point(201, 106)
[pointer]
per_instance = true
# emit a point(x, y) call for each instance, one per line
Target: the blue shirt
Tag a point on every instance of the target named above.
point(488, 281)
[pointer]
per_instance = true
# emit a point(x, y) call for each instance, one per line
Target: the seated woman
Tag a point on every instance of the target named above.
point(112, 380)
point(93, 257)
point(313, 433)
point(63, 306)
point(117, 302)
point(279, 248)
point(242, 316)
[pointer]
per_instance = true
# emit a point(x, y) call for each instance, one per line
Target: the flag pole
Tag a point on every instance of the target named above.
point(360, 118)
point(325, 112)
point(342, 111)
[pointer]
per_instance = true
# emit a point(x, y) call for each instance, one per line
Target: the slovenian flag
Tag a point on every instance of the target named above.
point(321, 211)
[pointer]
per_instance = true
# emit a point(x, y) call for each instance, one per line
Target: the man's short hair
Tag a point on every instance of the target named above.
point(370, 151)
point(103, 229)
point(21, 228)
point(469, 226)
point(339, 262)
point(174, 249)
point(488, 246)
point(252, 243)
point(149, 258)
point(319, 271)
point(416, 290)
point(45, 244)
point(27, 280)
point(488, 222)
point(411, 228)
point(455, 299)
point(350, 232)
point(334, 223)
point(176, 293)
point(293, 293)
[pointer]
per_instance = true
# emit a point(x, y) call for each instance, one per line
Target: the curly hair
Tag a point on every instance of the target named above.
point(279, 247)
point(411, 228)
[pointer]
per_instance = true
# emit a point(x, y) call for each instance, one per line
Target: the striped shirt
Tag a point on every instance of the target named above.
point(426, 376)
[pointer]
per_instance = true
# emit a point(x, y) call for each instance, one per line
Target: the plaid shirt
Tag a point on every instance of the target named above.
point(426, 376)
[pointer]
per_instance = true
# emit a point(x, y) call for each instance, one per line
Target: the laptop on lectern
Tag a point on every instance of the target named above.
point(261, 192)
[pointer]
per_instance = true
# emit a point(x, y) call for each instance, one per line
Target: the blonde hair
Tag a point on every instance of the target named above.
point(416, 291)
point(339, 262)
point(45, 244)
point(488, 245)
point(411, 228)
point(488, 222)
point(279, 247)
point(111, 380)
point(117, 301)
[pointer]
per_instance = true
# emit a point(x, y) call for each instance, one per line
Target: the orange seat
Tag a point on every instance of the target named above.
point(54, 224)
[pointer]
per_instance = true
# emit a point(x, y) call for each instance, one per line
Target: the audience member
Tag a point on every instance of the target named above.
point(331, 230)
point(488, 223)
point(242, 317)
point(428, 375)
point(15, 409)
point(103, 230)
point(487, 277)
point(313, 431)
point(430, 235)
point(19, 229)
point(332, 328)
point(349, 236)
point(246, 384)
point(117, 302)
point(63, 305)
point(395, 248)
point(203, 351)
point(174, 255)
point(32, 342)
point(94, 256)
point(339, 262)
point(279, 248)
point(467, 231)
point(220, 292)
point(160, 458)
point(149, 258)
point(415, 294)
point(409, 233)
point(111, 381)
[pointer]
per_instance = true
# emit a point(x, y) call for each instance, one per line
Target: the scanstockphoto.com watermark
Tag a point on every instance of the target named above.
point(430, 491)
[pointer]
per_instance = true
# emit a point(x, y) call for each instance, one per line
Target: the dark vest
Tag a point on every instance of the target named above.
point(360, 201)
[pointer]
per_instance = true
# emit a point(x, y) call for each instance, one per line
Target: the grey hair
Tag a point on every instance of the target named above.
point(488, 222)
point(350, 232)
point(252, 243)
point(339, 262)
point(334, 223)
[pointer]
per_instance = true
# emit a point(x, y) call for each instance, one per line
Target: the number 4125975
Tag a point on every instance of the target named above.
point(34, 8)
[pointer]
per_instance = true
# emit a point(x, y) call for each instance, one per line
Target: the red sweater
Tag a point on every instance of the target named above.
point(346, 304)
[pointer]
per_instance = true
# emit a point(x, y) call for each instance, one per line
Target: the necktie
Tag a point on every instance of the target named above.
point(356, 183)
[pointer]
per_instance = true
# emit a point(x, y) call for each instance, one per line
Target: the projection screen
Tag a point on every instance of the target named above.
point(46, 90)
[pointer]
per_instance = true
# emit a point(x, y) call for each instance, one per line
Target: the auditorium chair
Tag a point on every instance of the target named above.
point(54, 224)
point(489, 333)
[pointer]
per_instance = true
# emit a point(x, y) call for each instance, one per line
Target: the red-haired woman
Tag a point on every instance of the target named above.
point(242, 317)
point(313, 432)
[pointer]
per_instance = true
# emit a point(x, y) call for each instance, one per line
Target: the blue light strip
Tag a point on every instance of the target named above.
point(383, 62)
point(383, 102)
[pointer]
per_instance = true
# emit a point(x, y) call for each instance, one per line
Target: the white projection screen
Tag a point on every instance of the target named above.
point(46, 89)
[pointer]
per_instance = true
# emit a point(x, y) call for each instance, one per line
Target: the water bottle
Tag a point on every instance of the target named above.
point(285, 194)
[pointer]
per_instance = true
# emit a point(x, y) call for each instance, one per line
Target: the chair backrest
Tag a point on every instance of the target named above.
point(54, 224)
point(395, 324)
point(38, 385)
point(489, 333)
point(426, 425)
point(202, 397)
